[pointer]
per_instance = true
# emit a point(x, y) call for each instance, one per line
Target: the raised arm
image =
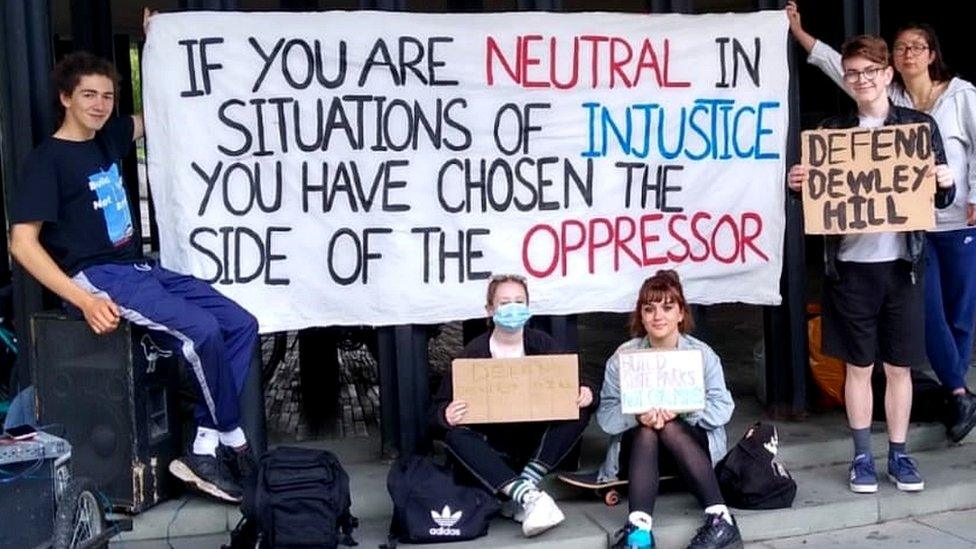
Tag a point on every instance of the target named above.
point(820, 55)
point(805, 39)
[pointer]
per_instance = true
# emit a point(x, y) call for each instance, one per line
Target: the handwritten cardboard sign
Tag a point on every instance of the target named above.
point(505, 390)
point(865, 180)
point(670, 380)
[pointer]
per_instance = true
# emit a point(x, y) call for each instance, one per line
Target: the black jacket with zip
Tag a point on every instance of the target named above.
point(943, 197)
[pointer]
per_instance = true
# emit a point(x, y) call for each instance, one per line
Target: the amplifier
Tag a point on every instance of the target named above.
point(33, 475)
point(117, 396)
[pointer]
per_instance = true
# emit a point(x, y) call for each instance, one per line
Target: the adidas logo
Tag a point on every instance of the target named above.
point(772, 445)
point(445, 521)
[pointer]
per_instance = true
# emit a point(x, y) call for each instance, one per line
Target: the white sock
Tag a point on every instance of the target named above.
point(234, 439)
point(720, 510)
point(641, 520)
point(206, 441)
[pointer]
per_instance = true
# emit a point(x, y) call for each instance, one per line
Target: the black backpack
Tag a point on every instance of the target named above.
point(299, 498)
point(429, 506)
point(748, 475)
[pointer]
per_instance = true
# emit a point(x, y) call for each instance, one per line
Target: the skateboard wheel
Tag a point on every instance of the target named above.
point(611, 498)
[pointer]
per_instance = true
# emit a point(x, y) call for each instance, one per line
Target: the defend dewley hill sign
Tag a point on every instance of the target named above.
point(869, 180)
point(504, 390)
point(670, 380)
point(343, 168)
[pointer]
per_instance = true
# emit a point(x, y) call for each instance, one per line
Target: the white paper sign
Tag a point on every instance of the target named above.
point(342, 168)
point(671, 380)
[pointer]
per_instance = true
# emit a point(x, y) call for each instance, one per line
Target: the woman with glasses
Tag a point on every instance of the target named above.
point(642, 445)
point(872, 300)
point(923, 82)
point(494, 453)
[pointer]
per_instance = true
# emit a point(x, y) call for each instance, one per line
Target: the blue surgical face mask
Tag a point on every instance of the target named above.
point(512, 316)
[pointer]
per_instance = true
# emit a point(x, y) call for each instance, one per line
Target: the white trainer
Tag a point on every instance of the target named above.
point(512, 510)
point(541, 513)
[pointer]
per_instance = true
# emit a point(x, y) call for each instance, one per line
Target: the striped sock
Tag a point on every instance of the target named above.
point(534, 472)
point(519, 488)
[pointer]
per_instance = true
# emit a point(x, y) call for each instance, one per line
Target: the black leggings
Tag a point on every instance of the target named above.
point(492, 452)
point(689, 447)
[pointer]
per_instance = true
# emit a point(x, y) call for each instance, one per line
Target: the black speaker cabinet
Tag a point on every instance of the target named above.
point(117, 397)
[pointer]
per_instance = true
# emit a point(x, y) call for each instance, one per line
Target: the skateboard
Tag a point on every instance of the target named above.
point(608, 491)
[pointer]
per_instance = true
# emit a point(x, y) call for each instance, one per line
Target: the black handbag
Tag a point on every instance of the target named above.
point(430, 506)
point(749, 476)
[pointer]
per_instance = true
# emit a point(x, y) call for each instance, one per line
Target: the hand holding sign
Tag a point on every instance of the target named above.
point(656, 418)
point(455, 412)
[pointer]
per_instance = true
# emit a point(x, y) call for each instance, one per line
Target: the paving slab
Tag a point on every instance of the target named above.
point(961, 524)
point(950, 483)
point(184, 517)
point(892, 535)
point(192, 542)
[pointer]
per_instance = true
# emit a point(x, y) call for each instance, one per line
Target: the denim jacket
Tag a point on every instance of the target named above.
point(717, 412)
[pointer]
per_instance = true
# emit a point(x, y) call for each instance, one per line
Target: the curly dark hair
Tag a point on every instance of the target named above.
point(68, 71)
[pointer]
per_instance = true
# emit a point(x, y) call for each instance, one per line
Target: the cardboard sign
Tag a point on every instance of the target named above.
point(506, 390)
point(869, 180)
point(670, 380)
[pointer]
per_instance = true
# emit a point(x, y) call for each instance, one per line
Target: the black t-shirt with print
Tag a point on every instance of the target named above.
point(75, 188)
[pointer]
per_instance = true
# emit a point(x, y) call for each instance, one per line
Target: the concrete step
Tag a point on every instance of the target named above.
point(823, 503)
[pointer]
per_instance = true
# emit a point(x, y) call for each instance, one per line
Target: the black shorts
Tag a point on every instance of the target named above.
point(874, 308)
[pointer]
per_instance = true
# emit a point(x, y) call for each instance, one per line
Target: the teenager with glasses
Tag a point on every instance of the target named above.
point(643, 445)
point(922, 81)
point(872, 293)
point(511, 459)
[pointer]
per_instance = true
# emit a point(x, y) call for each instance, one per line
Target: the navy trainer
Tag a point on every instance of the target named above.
point(864, 480)
point(903, 471)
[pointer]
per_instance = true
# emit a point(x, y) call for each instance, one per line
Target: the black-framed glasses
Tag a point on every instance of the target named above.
point(902, 49)
point(869, 74)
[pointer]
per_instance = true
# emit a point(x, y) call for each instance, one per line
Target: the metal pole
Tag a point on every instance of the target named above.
point(91, 27)
point(784, 327)
point(28, 117)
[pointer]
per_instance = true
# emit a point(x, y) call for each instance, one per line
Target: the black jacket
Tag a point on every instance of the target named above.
point(943, 197)
point(536, 342)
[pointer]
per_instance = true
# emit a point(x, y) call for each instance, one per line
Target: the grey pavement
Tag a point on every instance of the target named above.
point(948, 530)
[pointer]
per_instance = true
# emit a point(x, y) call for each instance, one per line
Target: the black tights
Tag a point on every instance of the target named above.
point(691, 458)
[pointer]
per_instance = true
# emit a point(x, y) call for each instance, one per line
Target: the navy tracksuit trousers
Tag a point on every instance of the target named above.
point(950, 303)
point(218, 336)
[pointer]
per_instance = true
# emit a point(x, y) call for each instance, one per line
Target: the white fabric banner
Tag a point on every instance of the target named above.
point(343, 168)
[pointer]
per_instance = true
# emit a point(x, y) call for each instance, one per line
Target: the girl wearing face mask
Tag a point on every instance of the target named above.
point(686, 443)
point(510, 459)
